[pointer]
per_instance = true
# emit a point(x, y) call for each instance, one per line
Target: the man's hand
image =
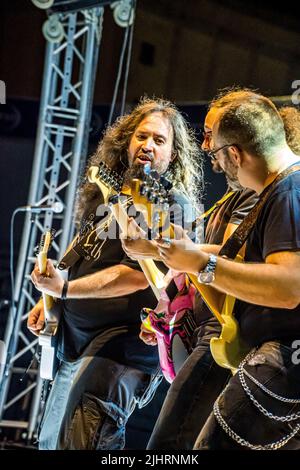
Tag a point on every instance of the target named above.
point(149, 337)
point(136, 246)
point(50, 283)
point(140, 248)
point(181, 254)
point(36, 318)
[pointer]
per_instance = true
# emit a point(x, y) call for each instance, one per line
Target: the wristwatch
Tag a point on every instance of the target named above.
point(207, 276)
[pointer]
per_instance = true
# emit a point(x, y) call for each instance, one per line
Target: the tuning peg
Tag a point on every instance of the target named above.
point(154, 174)
point(166, 183)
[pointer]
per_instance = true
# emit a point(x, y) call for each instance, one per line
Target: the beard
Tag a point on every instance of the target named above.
point(231, 171)
point(135, 171)
point(216, 168)
point(233, 183)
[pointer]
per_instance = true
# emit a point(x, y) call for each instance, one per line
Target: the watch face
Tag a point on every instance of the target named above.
point(206, 277)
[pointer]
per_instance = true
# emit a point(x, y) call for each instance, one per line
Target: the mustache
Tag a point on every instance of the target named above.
point(142, 154)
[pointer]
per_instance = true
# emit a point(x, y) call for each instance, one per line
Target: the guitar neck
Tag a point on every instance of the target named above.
point(153, 275)
point(47, 299)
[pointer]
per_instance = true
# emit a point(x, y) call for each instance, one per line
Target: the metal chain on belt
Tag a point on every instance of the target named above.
point(270, 415)
point(274, 445)
point(269, 392)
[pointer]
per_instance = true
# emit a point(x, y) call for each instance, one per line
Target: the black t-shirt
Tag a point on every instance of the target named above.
point(110, 326)
point(277, 229)
point(233, 211)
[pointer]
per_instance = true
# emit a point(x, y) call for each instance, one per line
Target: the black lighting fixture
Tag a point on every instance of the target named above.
point(123, 10)
point(70, 5)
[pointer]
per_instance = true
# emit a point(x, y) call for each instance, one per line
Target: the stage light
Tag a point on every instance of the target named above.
point(43, 4)
point(53, 30)
point(123, 12)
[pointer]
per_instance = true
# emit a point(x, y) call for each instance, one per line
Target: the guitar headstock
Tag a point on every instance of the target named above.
point(151, 197)
point(107, 180)
point(44, 246)
point(46, 241)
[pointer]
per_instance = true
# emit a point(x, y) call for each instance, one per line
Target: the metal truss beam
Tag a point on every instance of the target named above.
point(60, 155)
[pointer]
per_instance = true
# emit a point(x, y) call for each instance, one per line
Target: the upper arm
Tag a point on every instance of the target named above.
point(289, 259)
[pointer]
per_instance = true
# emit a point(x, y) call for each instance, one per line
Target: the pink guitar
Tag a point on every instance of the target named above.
point(172, 320)
point(173, 323)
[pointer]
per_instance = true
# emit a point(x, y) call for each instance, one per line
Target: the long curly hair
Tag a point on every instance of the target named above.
point(185, 171)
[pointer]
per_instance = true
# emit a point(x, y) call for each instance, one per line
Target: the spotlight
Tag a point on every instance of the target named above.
point(53, 29)
point(123, 13)
point(43, 4)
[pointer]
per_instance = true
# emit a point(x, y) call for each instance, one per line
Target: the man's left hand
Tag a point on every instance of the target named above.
point(50, 283)
point(182, 255)
point(136, 245)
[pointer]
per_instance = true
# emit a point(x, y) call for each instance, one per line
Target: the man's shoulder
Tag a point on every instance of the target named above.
point(245, 196)
point(239, 205)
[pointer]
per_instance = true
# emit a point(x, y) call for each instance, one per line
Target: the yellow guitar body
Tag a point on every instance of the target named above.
point(51, 322)
point(228, 350)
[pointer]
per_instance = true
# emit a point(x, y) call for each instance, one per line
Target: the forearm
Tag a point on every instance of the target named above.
point(115, 281)
point(213, 249)
point(265, 284)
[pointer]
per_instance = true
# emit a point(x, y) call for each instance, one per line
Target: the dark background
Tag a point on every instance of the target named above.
point(183, 50)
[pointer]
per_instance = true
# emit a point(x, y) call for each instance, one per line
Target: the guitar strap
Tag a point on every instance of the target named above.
point(238, 238)
point(76, 249)
point(74, 252)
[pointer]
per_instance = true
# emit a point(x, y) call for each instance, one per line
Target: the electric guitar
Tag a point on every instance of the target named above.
point(52, 312)
point(227, 350)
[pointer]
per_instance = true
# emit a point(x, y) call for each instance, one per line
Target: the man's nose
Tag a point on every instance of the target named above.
point(147, 145)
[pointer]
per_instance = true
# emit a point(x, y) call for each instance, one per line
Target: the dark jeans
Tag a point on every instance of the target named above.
point(90, 403)
point(191, 395)
point(273, 367)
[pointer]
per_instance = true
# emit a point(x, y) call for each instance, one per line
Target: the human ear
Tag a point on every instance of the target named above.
point(235, 155)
